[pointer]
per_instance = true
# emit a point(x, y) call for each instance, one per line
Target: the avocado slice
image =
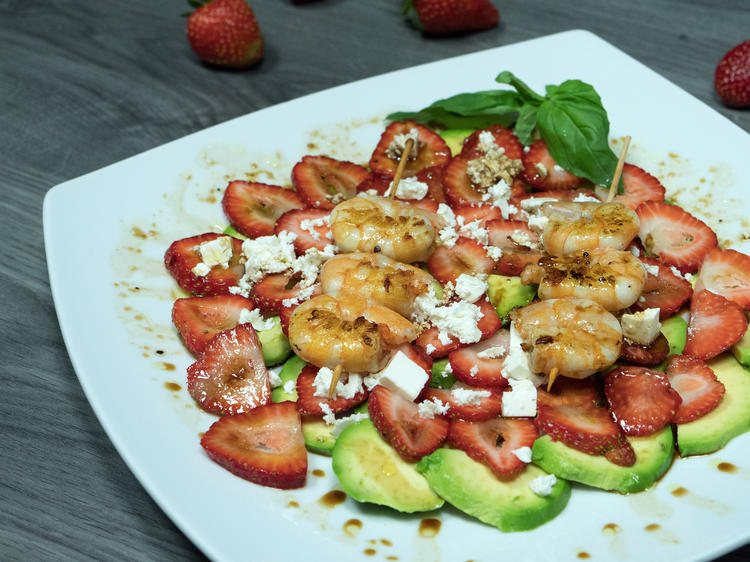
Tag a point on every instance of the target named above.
point(653, 457)
point(234, 233)
point(507, 293)
point(440, 377)
point(274, 344)
point(741, 349)
point(370, 470)
point(728, 420)
point(289, 372)
point(675, 330)
point(454, 138)
point(319, 436)
point(474, 489)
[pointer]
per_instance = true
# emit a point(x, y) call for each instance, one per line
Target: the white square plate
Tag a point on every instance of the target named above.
point(113, 300)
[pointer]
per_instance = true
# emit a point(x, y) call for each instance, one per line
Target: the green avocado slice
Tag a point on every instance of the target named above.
point(741, 349)
point(454, 138)
point(371, 471)
point(653, 457)
point(507, 293)
point(728, 420)
point(474, 489)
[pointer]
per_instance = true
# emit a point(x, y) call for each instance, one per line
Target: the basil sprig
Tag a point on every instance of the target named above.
point(570, 118)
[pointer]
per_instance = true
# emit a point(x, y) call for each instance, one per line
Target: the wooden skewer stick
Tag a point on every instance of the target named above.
point(334, 382)
point(401, 165)
point(618, 170)
point(552, 377)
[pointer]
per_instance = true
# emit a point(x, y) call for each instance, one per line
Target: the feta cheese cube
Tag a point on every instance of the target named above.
point(520, 401)
point(517, 364)
point(642, 327)
point(404, 376)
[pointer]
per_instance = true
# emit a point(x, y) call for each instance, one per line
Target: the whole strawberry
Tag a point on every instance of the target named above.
point(225, 33)
point(451, 16)
point(732, 80)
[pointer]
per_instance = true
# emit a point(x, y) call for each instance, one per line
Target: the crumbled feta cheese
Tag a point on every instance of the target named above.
point(487, 142)
point(255, 318)
point(520, 400)
point(474, 370)
point(651, 269)
point(499, 195)
point(541, 170)
point(409, 188)
point(290, 386)
point(264, 255)
point(464, 395)
point(346, 387)
point(470, 288)
point(431, 408)
point(458, 319)
point(583, 198)
point(523, 454)
point(309, 225)
point(217, 251)
point(328, 416)
point(522, 238)
point(493, 252)
point(398, 144)
point(473, 230)
point(404, 376)
point(447, 235)
point(274, 379)
point(340, 424)
point(494, 352)
point(538, 222)
point(517, 363)
point(641, 327)
point(429, 349)
point(542, 485)
point(201, 270)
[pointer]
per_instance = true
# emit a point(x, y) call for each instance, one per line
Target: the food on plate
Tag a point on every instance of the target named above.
point(489, 332)
point(732, 77)
point(451, 16)
point(225, 33)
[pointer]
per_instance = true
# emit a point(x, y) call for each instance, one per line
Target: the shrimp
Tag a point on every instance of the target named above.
point(375, 278)
point(576, 226)
point(611, 278)
point(328, 332)
point(369, 223)
point(572, 337)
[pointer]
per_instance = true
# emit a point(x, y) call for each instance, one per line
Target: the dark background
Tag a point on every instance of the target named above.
point(87, 83)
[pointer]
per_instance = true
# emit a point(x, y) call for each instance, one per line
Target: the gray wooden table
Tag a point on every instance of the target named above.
point(84, 84)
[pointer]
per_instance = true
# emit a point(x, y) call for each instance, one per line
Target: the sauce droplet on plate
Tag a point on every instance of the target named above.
point(333, 498)
point(429, 527)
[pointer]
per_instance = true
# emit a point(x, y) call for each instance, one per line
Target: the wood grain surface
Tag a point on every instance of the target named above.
point(87, 83)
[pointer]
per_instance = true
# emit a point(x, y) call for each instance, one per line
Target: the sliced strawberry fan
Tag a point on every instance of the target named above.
point(323, 182)
point(253, 207)
point(697, 385)
point(198, 319)
point(716, 324)
point(726, 273)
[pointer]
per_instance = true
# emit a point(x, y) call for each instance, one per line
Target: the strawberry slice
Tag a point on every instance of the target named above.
point(726, 273)
point(639, 187)
point(198, 319)
point(542, 172)
point(569, 413)
point(285, 313)
point(230, 376)
point(253, 207)
point(641, 400)
point(427, 204)
point(269, 293)
point(696, 384)
point(646, 355)
point(398, 421)
point(465, 403)
point(474, 366)
point(324, 182)
point(431, 150)
point(377, 182)
point(488, 324)
point(458, 187)
point(308, 403)
point(466, 256)
point(264, 446)
point(665, 291)
point(183, 255)
point(433, 177)
point(310, 225)
point(716, 324)
point(504, 138)
point(622, 454)
point(481, 213)
point(515, 257)
point(675, 235)
point(492, 442)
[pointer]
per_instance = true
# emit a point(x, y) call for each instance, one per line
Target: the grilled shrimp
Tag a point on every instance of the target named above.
point(572, 337)
point(375, 278)
point(611, 278)
point(328, 331)
point(369, 223)
point(576, 226)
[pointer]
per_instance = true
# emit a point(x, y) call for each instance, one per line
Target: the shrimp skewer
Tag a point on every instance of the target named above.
point(571, 337)
point(369, 223)
point(375, 278)
point(346, 332)
point(612, 278)
point(572, 226)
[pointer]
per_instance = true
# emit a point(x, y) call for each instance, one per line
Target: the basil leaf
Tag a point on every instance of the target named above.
point(575, 127)
point(526, 123)
point(529, 95)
